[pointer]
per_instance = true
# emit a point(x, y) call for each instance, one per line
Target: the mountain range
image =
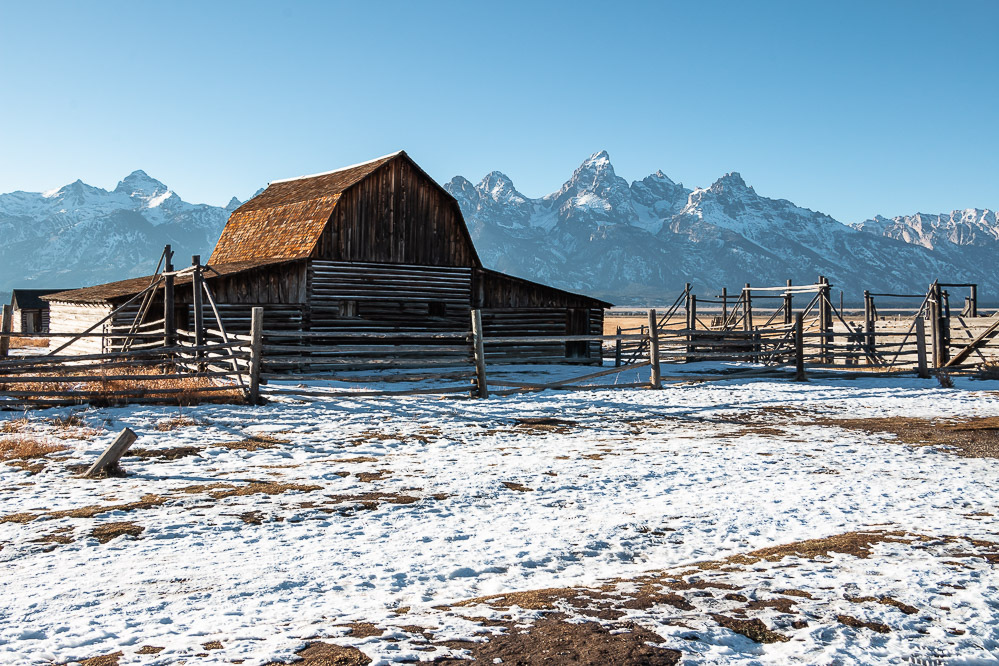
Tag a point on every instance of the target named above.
point(630, 243)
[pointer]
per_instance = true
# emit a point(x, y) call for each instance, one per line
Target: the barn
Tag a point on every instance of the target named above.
point(374, 247)
point(29, 313)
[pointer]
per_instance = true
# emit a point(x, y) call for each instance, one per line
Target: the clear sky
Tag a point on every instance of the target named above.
point(851, 108)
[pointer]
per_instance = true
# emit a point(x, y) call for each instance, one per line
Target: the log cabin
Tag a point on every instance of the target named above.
point(29, 312)
point(373, 247)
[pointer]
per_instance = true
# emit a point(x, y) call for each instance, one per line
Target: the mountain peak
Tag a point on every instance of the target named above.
point(497, 186)
point(140, 183)
point(731, 183)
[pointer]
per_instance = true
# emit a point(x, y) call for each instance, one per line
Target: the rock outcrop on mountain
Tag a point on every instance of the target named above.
point(639, 242)
point(631, 243)
point(81, 235)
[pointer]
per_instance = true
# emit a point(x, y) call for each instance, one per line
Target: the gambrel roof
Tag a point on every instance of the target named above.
point(286, 219)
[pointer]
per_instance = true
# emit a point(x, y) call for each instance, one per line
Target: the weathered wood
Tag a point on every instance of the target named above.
point(799, 348)
point(921, 349)
point(5, 328)
point(109, 459)
point(981, 339)
point(479, 354)
point(655, 381)
point(256, 353)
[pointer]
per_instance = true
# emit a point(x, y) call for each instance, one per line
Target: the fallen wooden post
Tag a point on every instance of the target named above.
point(108, 461)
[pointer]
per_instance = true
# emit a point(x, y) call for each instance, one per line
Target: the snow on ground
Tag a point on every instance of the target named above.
point(286, 522)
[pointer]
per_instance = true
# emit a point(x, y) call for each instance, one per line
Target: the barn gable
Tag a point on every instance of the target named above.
point(386, 210)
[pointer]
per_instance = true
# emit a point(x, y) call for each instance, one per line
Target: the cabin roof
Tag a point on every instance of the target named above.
point(105, 293)
point(31, 299)
point(286, 219)
point(568, 295)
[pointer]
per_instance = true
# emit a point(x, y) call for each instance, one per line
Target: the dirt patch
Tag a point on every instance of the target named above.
point(369, 477)
point(358, 459)
point(370, 501)
point(146, 502)
point(851, 621)
point(173, 453)
point(23, 517)
point(103, 660)
point(254, 443)
point(212, 645)
point(108, 531)
point(177, 422)
point(362, 629)
point(539, 425)
point(555, 642)
point(970, 438)
point(510, 485)
point(60, 536)
point(149, 649)
point(327, 654)
point(223, 490)
point(31, 468)
point(753, 629)
point(887, 601)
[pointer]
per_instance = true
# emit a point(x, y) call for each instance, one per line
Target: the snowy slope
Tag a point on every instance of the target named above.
point(390, 512)
point(79, 234)
point(641, 242)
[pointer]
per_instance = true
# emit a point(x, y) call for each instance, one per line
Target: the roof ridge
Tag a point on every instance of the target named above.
point(327, 173)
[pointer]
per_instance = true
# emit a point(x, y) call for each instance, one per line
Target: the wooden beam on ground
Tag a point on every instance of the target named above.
point(108, 460)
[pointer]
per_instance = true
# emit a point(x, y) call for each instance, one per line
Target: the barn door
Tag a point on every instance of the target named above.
point(577, 323)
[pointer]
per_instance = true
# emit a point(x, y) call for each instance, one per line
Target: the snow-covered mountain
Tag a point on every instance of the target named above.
point(82, 235)
point(629, 243)
point(640, 242)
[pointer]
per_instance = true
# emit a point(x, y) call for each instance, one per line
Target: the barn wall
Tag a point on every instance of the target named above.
point(388, 297)
point(397, 215)
point(512, 307)
point(76, 318)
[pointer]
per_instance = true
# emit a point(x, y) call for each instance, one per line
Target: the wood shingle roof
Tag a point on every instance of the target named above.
point(286, 219)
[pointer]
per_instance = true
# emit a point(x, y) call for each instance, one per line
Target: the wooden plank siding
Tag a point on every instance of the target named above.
point(397, 215)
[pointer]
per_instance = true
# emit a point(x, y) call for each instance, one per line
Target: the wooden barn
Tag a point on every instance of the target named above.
point(374, 247)
point(29, 313)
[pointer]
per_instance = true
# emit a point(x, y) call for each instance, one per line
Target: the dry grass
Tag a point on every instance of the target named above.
point(108, 531)
point(28, 343)
point(254, 443)
point(25, 448)
point(102, 391)
point(327, 654)
point(177, 422)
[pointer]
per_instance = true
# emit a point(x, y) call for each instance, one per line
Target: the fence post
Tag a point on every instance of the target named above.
point(478, 349)
point(199, 314)
point(973, 301)
point(788, 305)
point(799, 347)
point(256, 352)
point(724, 308)
point(617, 348)
point(936, 325)
point(5, 327)
point(169, 318)
point(656, 381)
point(921, 348)
point(691, 337)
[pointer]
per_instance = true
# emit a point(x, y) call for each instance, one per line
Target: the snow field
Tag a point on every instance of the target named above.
point(425, 502)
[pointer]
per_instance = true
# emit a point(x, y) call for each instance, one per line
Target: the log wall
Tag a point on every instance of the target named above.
point(76, 318)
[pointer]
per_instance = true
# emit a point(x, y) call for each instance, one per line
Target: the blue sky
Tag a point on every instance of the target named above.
point(849, 108)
